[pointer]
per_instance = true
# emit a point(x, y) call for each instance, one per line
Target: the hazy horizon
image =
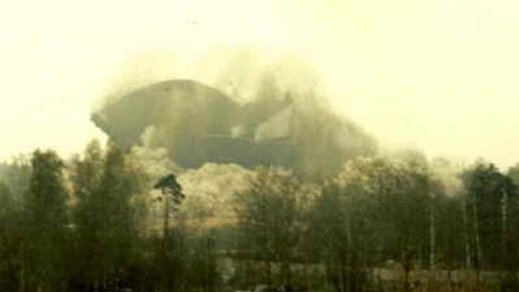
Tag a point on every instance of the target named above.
point(436, 75)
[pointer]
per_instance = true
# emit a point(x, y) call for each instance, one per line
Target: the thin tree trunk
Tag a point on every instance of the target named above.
point(468, 255)
point(22, 278)
point(165, 234)
point(268, 266)
point(342, 284)
point(288, 275)
point(479, 254)
point(210, 278)
point(307, 276)
point(349, 256)
point(504, 228)
point(406, 280)
point(96, 286)
point(432, 235)
point(166, 215)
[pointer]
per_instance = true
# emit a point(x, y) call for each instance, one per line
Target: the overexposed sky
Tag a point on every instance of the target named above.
point(439, 75)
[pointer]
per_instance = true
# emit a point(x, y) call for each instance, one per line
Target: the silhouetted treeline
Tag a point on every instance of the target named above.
point(94, 223)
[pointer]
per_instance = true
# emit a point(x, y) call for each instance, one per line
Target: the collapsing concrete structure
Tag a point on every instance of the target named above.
point(199, 124)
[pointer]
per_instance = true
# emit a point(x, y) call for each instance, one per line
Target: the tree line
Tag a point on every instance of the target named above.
point(84, 225)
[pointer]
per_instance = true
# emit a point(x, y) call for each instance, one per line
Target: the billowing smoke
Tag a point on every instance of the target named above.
point(447, 173)
point(211, 192)
point(261, 113)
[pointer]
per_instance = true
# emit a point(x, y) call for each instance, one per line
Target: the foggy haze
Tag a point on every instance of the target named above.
point(434, 75)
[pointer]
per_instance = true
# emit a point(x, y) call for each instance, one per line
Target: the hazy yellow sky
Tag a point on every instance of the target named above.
point(439, 75)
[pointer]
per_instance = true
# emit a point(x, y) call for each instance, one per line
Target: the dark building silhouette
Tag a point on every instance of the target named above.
point(199, 124)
